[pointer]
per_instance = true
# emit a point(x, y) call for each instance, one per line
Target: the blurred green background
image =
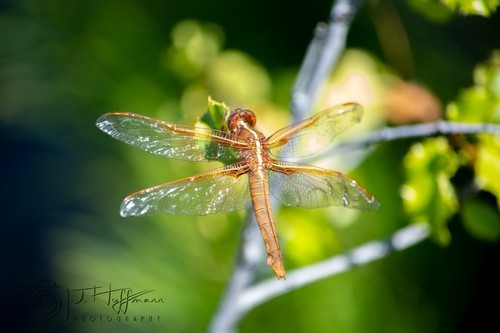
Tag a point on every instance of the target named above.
point(64, 63)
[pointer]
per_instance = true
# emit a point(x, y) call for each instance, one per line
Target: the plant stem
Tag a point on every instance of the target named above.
point(322, 56)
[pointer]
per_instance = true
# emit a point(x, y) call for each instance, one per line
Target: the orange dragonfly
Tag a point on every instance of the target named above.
point(254, 175)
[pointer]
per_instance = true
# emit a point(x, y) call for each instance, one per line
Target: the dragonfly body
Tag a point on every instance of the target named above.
point(241, 124)
point(254, 176)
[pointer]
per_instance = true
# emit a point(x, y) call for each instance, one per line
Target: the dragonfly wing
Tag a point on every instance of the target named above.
point(307, 186)
point(316, 133)
point(223, 189)
point(170, 140)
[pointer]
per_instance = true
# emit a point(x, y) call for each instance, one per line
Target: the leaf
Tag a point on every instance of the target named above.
point(487, 165)
point(215, 116)
point(428, 194)
point(472, 7)
point(441, 11)
point(481, 103)
point(481, 220)
point(487, 74)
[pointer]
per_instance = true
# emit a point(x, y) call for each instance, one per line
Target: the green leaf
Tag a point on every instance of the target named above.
point(441, 11)
point(481, 220)
point(428, 194)
point(472, 7)
point(474, 105)
point(215, 116)
point(487, 165)
point(487, 74)
point(481, 103)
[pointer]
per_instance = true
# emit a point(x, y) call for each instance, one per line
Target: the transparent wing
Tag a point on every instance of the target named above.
point(224, 189)
point(307, 186)
point(170, 140)
point(316, 133)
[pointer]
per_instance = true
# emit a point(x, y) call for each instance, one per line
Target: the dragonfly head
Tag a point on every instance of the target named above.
point(239, 115)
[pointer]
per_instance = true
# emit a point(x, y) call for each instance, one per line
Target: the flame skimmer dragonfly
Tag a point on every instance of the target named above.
point(253, 177)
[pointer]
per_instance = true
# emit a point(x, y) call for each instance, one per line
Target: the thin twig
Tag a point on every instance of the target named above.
point(362, 255)
point(322, 55)
point(407, 132)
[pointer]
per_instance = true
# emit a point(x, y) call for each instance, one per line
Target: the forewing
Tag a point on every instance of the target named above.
point(170, 140)
point(307, 186)
point(224, 189)
point(316, 133)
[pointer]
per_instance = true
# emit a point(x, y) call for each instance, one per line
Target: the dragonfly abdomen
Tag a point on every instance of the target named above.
point(259, 191)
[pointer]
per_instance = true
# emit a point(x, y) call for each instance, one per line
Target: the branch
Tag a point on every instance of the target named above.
point(364, 254)
point(410, 131)
point(322, 55)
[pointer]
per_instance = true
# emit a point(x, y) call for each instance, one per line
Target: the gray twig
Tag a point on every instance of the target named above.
point(407, 132)
point(322, 55)
point(249, 298)
point(361, 255)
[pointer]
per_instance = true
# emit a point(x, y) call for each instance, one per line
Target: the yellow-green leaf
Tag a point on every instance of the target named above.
point(215, 116)
point(487, 165)
point(428, 194)
point(472, 7)
point(481, 103)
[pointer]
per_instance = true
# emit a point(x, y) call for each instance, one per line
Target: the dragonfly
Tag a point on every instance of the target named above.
point(255, 174)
